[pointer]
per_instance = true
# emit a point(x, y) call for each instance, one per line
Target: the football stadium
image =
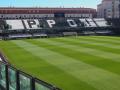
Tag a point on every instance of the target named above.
point(58, 49)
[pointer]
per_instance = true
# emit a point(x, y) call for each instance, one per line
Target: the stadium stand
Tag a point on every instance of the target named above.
point(50, 27)
point(54, 23)
point(15, 24)
point(101, 22)
point(91, 22)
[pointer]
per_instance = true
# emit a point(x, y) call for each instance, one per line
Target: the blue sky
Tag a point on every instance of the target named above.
point(50, 3)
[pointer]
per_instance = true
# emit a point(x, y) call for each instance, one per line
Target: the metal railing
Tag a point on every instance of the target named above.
point(14, 79)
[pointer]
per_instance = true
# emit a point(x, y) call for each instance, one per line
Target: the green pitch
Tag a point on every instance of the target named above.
point(71, 63)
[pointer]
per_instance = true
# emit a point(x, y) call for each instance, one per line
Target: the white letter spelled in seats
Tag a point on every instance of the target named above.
point(71, 23)
point(51, 23)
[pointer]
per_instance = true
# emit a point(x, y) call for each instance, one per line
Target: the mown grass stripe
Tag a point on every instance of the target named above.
point(89, 42)
point(96, 77)
point(90, 51)
point(109, 37)
point(78, 42)
point(102, 39)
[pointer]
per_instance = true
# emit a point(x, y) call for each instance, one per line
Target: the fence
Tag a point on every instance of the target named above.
point(13, 79)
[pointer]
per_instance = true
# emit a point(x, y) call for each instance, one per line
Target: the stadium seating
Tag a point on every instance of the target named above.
point(15, 24)
point(91, 22)
point(2, 24)
point(43, 27)
point(101, 22)
point(55, 23)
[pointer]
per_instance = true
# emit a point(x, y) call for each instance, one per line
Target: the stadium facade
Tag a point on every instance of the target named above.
point(109, 9)
point(23, 13)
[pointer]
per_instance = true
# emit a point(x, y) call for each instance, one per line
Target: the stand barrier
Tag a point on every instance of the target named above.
point(13, 79)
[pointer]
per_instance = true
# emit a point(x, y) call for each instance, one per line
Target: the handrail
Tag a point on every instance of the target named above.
point(14, 79)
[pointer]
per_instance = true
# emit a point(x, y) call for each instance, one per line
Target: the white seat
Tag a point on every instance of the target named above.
point(15, 24)
point(0, 59)
point(101, 22)
point(91, 22)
